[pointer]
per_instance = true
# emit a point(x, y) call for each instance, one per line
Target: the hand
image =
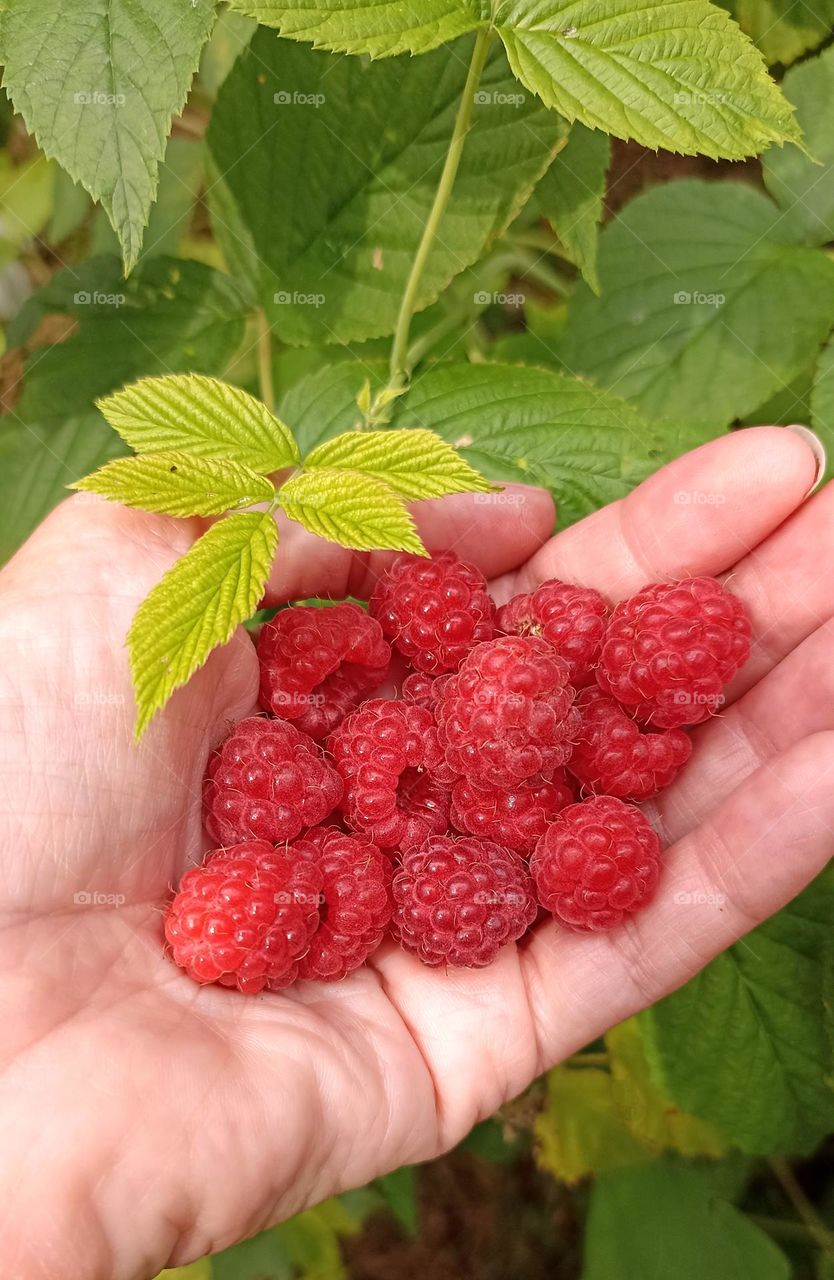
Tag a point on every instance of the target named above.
point(147, 1121)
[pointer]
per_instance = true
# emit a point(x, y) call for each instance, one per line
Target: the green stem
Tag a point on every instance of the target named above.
point(399, 350)
point(789, 1183)
point(265, 380)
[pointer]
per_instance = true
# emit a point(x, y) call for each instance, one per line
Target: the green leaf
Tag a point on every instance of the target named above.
point(745, 1045)
point(178, 484)
point(351, 509)
point(170, 316)
point(323, 403)
point(681, 77)
point(98, 83)
point(37, 464)
point(708, 307)
point(180, 183)
point(665, 1220)
point(570, 196)
point(783, 29)
point(540, 427)
point(822, 401)
point(355, 26)
point(201, 416)
point(804, 184)
point(370, 140)
point(580, 1130)
point(196, 607)
point(415, 464)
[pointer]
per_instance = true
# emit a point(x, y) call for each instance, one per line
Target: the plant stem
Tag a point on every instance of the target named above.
point(399, 350)
point(789, 1183)
point(265, 381)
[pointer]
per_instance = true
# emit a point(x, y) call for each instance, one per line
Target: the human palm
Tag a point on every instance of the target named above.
point(147, 1121)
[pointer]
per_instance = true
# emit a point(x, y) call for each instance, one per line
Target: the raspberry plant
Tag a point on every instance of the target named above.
point(368, 268)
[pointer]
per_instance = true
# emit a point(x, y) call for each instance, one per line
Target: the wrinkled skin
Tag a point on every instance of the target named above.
point(147, 1121)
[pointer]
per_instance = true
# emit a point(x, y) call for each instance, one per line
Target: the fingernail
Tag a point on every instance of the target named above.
point(817, 448)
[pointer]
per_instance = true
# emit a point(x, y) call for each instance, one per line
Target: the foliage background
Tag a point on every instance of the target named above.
point(591, 308)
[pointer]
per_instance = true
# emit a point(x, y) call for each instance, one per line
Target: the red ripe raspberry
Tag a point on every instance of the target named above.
point(670, 649)
point(458, 900)
point(424, 690)
point(387, 754)
point(508, 713)
point(597, 862)
point(433, 610)
point(613, 757)
point(318, 664)
point(356, 901)
point(515, 817)
point(244, 917)
point(267, 781)
point(571, 619)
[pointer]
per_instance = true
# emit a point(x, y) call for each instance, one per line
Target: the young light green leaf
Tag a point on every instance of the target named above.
point(355, 26)
point(804, 184)
point(196, 607)
point(178, 484)
point(352, 509)
point(201, 416)
point(681, 77)
point(98, 84)
point(570, 196)
point(415, 464)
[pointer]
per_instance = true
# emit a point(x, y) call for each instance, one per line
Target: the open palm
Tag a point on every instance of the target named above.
point(147, 1121)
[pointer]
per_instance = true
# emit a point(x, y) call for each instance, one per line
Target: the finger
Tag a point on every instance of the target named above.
point(698, 515)
point(790, 703)
point(787, 585)
point(497, 532)
point(757, 851)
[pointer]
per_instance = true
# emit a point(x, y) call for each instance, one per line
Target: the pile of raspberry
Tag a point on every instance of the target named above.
point(500, 784)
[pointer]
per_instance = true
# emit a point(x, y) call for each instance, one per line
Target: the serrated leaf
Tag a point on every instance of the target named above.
point(370, 140)
point(804, 184)
point(580, 1131)
point(354, 510)
point(700, 276)
point(98, 84)
point(178, 484)
point(170, 316)
point(570, 196)
point(355, 26)
point(747, 1044)
point(201, 416)
point(415, 464)
point(196, 607)
point(665, 1219)
point(681, 76)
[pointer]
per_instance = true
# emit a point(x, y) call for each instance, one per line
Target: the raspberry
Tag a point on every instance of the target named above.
point(458, 900)
point(597, 862)
point(317, 664)
point(508, 713)
point(614, 757)
point(267, 781)
point(670, 649)
point(356, 901)
point(424, 690)
point(433, 610)
point(244, 917)
point(514, 817)
point(571, 619)
point(389, 758)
